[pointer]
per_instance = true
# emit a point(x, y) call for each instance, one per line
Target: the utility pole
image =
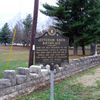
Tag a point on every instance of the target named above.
point(34, 25)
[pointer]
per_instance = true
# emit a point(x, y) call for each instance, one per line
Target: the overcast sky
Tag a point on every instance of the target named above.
point(14, 10)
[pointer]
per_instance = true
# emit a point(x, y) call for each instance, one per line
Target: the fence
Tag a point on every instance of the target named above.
point(26, 80)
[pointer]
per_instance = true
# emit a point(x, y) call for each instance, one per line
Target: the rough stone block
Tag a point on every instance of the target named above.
point(48, 67)
point(61, 68)
point(35, 69)
point(33, 76)
point(41, 66)
point(8, 90)
point(23, 71)
point(4, 83)
point(57, 67)
point(18, 87)
point(13, 95)
point(6, 97)
point(44, 72)
point(21, 79)
point(10, 74)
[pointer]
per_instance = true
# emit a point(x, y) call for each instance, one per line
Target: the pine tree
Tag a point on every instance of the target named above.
point(5, 36)
point(77, 19)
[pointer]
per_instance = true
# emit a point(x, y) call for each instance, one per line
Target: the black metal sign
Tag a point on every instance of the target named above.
point(51, 48)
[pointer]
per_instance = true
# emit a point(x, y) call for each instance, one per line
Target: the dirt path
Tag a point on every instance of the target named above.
point(90, 79)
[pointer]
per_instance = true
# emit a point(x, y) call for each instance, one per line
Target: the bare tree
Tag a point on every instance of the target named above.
point(27, 29)
point(19, 32)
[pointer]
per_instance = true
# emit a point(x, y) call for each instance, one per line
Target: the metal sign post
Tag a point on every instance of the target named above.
point(52, 82)
point(51, 48)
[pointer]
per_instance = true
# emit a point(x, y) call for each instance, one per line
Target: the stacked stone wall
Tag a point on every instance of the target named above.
point(26, 80)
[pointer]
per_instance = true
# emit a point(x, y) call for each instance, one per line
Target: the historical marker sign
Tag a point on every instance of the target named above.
point(51, 48)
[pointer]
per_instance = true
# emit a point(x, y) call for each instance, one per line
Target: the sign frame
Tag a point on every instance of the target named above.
point(51, 44)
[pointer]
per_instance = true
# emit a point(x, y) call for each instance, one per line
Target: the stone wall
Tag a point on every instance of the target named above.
point(25, 80)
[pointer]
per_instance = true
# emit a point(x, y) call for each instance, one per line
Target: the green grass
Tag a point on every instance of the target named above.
point(17, 58)
point(68, 89)
point(12, 60)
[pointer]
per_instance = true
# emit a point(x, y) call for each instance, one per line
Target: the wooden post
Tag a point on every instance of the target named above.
point(34, 25)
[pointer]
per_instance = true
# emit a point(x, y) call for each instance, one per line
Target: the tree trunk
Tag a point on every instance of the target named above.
point(93, 49)
point(96, 50)
point(5, 44)
point(75, 50)
point(83, 49)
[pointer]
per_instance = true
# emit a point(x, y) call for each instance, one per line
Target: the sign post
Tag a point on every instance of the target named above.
point(51, 48)
point(52, 81)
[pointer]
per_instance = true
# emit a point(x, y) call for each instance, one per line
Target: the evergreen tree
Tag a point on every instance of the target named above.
point(76, 19)
point(0, 37)
point(5, 35)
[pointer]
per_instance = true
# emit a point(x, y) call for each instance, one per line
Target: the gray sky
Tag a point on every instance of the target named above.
point(13, 10)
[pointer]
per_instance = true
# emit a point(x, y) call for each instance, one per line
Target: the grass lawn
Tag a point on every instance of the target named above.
point(17, 58)
point(70, 89)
